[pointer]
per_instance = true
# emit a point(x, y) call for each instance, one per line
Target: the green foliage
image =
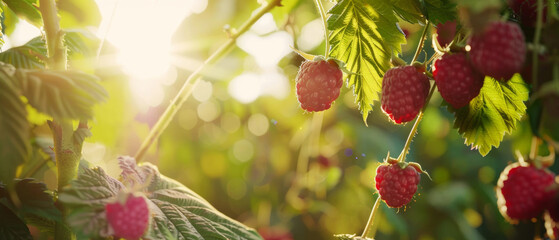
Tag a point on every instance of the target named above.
point(78, 13)
point(25, 9)
point(61, 94)
point(31, 55)
point(440, 11)
point(34, 205)
point(14, 129)
point(492, 113)
point(11, 226)
point(175, 209)
point(364, 35)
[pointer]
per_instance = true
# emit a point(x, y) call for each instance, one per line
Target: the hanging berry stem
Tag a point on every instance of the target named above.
point(371, 219)
point(193, 79)
point(421, 41)
point(413, 131)
point(537, 36)
point(322, 13)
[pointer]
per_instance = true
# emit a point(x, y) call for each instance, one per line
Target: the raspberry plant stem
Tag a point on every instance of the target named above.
point(322, 13)
point(371, 220)
point(193, 79)
point(402, 156)
point(537, 36)
point(421, 41)
point(67, 151)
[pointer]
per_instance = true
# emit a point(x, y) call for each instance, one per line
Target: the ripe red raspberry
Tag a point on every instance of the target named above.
point(457, 81)
point(404, 90)
point(396, 183)
point(526, 10)
point(523, 191)
point(499, 51)
point(318, 84)
point(446, 32)
point(129, 219)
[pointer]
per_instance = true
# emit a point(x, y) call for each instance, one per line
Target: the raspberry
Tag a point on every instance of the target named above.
point(404, 90)
point(499, 51)
point(523, 191)
point(446, 32)
point(396, 183)
point(456, 79)
point(130, 219)
point(526, 10)
point(318, 84)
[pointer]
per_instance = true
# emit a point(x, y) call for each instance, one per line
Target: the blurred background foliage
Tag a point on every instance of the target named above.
point(243, 143)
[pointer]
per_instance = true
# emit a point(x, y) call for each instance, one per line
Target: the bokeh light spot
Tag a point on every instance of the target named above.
point(230, 122)
point(486, 174)
point(312, 35)
point(203, 91)
point(208, 111)
point(258, 124)
point(243, 150)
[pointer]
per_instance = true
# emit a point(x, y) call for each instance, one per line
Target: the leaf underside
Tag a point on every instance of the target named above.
point(177, 212)
point(494, 112)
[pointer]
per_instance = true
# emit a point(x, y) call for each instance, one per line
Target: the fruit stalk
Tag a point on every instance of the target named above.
point(421, 41)
point(193, 79)
point(371, 220)
point(402, 156)
point(67, 152)
point(322, 13)
point(537, 36)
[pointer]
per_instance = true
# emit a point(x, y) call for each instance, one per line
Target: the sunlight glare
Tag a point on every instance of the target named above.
point(141, 31)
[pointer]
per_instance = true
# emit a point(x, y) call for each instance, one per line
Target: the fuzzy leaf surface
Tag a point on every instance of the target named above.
point(494, 112)
point(364, 35)
point(61, 94)
point(14, 129)
point(177, 212)
point(27, 56)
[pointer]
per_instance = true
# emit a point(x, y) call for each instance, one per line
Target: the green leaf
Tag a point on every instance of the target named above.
point(11, 226)
point(364, 35)
point(490, 115)
point(26, 10)
point(61, 94)
point(78, 13)
point(177, 212)
point(30, 55)
point(35, 200)
point(408, 10)
point(440, 11)
point(14, 129)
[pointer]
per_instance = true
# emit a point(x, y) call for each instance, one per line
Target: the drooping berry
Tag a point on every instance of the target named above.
point(396, 184)
point(404, 90)
point(457, 81)
point(129, 219)
point(318, 84)
point(499, 51)
point(523, 192)
point(526, 10)
point(446, 32)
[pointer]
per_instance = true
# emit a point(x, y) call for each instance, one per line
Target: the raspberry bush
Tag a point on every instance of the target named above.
point(271, 145)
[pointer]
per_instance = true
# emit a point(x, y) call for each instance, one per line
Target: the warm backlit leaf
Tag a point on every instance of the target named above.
point(494, 112)
point(364, 35)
